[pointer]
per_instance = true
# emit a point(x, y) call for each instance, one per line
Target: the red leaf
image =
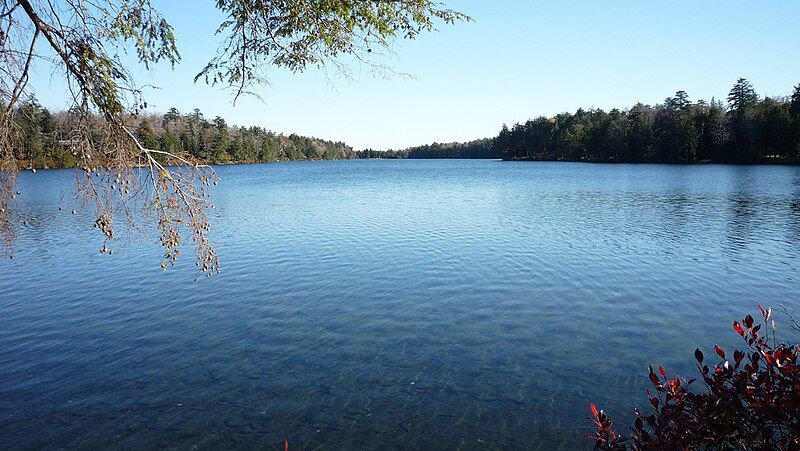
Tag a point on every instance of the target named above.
point(763, 312)
point(286, 445)
point(593, 408)
point(698, 355)
point(738, 328)
point(662, 371)
point(748, 321)
point(719, 351)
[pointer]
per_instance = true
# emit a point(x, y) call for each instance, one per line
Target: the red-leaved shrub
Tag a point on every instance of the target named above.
point(751, 400)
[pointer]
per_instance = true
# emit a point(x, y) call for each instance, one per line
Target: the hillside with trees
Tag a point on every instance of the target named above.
point(48, 141)
point(748, 129)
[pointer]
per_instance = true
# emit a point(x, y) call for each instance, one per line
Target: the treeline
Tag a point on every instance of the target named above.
point(748, 129)
point(45, 139)
point(480, 148)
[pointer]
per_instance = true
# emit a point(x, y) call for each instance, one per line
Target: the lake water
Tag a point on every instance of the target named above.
point(388, 304)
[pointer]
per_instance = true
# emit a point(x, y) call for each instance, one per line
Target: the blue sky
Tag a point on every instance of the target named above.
point(517, 60)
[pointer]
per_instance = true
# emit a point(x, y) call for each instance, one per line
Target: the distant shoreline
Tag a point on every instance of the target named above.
point(25, 165)
point(763, 162)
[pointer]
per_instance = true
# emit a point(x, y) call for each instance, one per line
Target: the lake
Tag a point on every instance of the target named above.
point(388, 304)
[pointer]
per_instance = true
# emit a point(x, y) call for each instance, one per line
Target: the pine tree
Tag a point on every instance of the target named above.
point(28, 121)
point(794, 109)
point(742, 96)
point(742, 101)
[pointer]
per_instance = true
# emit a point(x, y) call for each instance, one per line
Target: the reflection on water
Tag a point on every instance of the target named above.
point(376, 304)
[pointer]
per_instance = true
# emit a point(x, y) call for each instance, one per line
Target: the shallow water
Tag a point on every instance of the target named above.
point(388, 304)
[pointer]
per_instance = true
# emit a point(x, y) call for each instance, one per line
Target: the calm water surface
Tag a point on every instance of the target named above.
point(388, 304)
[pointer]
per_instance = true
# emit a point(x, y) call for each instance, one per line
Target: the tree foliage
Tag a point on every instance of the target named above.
point(480, 148)
point(297, 33)
point(748, 130)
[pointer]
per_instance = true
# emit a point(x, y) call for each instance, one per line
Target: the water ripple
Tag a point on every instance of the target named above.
point(388, 304)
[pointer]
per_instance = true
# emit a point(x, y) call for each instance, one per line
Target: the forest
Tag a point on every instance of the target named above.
point(480, 148)
point(47, 138)
point(748, 129)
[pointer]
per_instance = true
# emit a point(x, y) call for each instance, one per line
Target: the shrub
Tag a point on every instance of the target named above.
point(751, 400)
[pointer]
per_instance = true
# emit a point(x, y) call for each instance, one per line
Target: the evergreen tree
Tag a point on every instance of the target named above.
point(268, 151)
point(47, 126)
point(641, 135)
point(220, 141)
point(742, 96)
point(794, 112)
point(795, 103)
point(146, 136)
point(171, 119)
point(742, 101)
point(28, 121)
point(169, 143)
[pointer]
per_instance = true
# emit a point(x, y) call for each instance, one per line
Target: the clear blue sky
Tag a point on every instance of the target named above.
point(517, 60)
